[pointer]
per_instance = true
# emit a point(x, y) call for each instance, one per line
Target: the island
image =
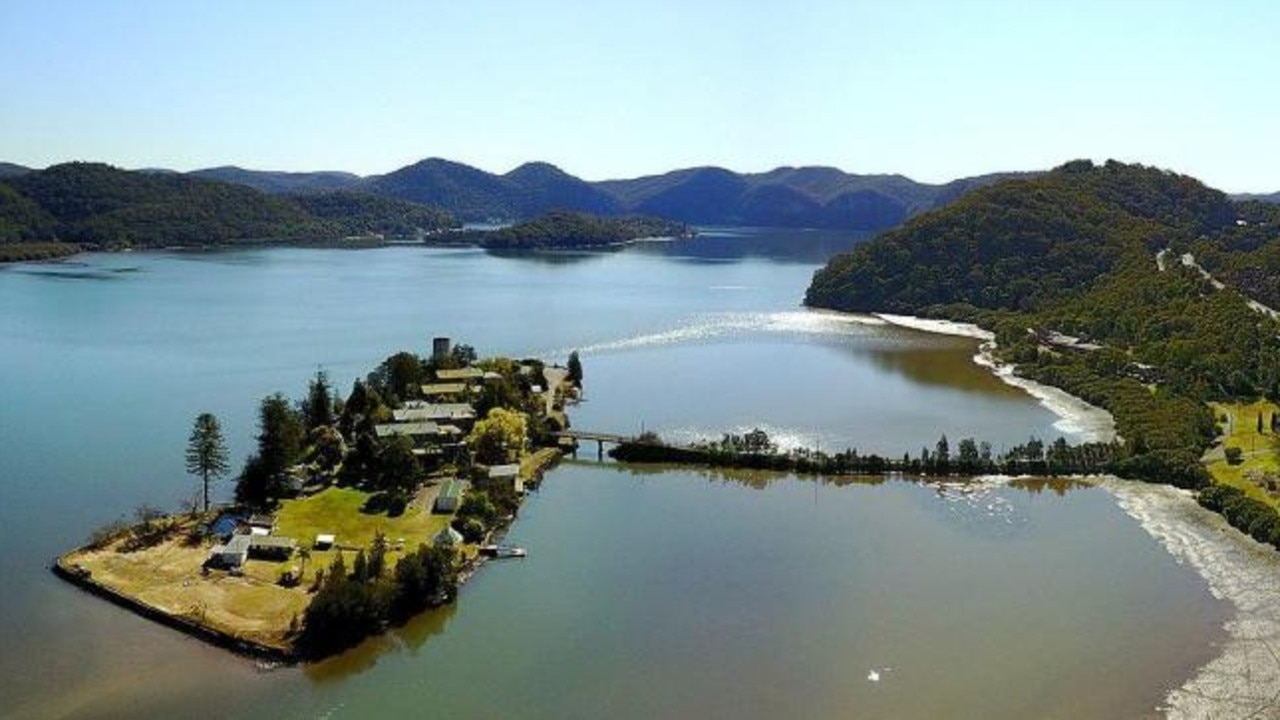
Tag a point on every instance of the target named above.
point(564, 230)
point(353, 514)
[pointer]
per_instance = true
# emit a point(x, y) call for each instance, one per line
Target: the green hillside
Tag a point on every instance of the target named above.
point(97, 205)
point(1078, 252)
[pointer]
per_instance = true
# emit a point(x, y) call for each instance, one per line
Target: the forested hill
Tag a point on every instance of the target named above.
point(1078, 252)
point(818, 197)
point(98, 205)
point(563, 230)
point(814, 197)
point(1021, 244)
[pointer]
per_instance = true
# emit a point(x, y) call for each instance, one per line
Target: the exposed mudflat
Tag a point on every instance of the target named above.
point(1244, 680)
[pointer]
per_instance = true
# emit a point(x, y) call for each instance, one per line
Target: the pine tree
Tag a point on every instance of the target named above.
point(207, 452)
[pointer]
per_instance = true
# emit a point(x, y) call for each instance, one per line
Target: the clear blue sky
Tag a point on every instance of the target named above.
point(933, 90)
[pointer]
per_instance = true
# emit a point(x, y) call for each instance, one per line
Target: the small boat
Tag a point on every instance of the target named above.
point(502, 551)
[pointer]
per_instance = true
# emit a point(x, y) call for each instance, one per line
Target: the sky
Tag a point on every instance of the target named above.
point(933, 90)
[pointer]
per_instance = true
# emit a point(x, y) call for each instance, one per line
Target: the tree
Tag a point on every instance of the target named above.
point(968, 454)
point(280, 437)
point(318, 407)
point(499, 437)
point(1259, 423)
point(943, 454)
point(575, 369)
point(207, 452)
point(399, 376)
point(397, 467)
point(463, 354)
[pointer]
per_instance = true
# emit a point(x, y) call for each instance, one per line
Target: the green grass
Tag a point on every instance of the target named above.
point(337, 511)
point(1261, 451)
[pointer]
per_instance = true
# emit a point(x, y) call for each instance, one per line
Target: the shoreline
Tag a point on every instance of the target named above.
point(539, 463)
point(1090, 422)
point(1243, 679)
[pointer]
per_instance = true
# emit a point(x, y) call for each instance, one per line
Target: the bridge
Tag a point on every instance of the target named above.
point(600, 438)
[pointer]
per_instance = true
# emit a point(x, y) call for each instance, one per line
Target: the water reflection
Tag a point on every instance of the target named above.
point(782, 245)
point(410, 638)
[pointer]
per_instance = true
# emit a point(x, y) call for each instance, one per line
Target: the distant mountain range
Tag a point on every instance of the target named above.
point(811, 197)
point(821, 197)
point(1272, 198)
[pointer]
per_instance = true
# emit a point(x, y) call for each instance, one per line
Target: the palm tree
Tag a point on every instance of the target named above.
point(304, 554)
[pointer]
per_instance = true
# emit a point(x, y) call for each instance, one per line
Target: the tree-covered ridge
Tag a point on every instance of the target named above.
point(356, 213)
point(1247, 255)
point(1023, 244)
point(99, 205)
point(21, 219)
point(1092, 252)
point(568, 230)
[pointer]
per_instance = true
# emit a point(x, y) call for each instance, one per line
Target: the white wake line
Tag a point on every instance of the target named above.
point(812, 322)
point(1090, 422)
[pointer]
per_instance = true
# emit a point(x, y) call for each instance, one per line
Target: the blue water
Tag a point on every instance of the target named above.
point(107, 360)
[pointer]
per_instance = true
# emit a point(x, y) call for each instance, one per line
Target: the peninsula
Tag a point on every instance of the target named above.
point(354, 513)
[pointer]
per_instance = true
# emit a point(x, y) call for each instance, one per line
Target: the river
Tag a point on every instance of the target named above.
point(647, 593)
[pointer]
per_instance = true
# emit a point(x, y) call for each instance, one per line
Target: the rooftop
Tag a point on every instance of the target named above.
point(504, 471)
point(409, 429)
point(467, 373)
point(270, 541)
point(451, 489)
point(444, 388)
point(434, 411)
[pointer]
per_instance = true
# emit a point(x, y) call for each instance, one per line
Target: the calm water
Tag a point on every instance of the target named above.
point(647, 594)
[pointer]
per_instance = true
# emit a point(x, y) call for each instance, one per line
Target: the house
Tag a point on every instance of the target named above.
point(418, 431)
point(507, 474)
point(447, 538)
point(450, 497)
point(271, 547)
point(262, 522)
point(231, 554)
point(465, 375)
point(434, 412)
point(444, 389)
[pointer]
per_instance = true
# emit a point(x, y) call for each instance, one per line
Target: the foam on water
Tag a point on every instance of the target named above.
point(728, 324)
point(1088, 422)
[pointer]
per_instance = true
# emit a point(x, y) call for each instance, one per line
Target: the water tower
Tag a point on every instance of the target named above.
point(440, 348)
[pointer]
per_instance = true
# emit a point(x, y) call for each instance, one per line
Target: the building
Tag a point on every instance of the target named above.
point(271, 547)
point(450, 497)
point(508, 475)
point(466, 375)
point(231, 554)
point(434, 412)
point(418, 430)
point(444, 390)
point(447, 538)
point(441, 348)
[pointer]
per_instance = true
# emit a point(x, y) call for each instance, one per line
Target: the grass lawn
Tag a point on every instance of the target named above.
point(1261, 453)
point(253, 605)
point(337, 511)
